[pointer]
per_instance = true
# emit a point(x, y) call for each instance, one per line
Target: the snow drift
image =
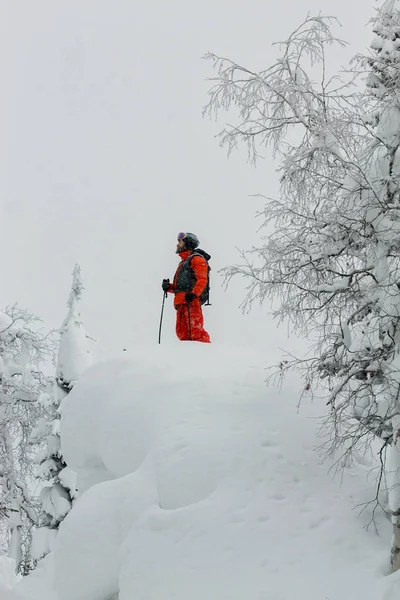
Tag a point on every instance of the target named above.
point(197, 481)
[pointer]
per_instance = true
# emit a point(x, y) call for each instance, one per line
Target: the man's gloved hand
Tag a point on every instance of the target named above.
point(190, 297)
point(165, 285)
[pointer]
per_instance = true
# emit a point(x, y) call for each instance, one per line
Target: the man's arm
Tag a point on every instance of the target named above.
point(200, 268)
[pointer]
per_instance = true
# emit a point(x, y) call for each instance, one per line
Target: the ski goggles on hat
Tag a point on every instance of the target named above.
point(181, 236)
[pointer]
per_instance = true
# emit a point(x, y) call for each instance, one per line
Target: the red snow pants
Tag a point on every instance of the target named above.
point(193, 329)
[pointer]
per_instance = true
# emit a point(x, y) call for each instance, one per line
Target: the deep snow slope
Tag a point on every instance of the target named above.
point(199, 482)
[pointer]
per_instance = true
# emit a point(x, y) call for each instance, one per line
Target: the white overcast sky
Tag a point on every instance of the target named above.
point(105, 155)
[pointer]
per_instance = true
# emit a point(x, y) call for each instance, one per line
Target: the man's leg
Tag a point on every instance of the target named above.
point(182, 322)
point(199, 334)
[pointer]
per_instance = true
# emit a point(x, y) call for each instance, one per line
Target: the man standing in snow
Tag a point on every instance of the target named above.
point(190, 287)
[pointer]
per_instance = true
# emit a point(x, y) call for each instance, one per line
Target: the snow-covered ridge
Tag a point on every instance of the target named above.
point(197, 481)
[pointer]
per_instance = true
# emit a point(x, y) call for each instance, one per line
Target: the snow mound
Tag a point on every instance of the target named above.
point(392, 587)
point(8, 578)
point(197, 481)
point(7, 594)
point(188, 410)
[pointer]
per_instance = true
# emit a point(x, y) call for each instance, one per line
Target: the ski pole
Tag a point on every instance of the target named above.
point(190, 324)
point(161, 318)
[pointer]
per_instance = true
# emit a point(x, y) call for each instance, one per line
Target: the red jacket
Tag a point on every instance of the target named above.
point(200, 269)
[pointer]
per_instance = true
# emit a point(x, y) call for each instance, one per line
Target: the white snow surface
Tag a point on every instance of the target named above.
point(198, 481)
point(43, 541)
point(8, 579)
point(7, 594)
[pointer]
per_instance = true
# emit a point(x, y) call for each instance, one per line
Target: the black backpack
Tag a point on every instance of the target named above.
point(205, 294)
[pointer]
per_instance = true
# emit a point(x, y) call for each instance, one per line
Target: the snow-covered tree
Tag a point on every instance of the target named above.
point(331, 258)
point(60, 490)
point(24, 349)
point(74, 356)
point(383, 85)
